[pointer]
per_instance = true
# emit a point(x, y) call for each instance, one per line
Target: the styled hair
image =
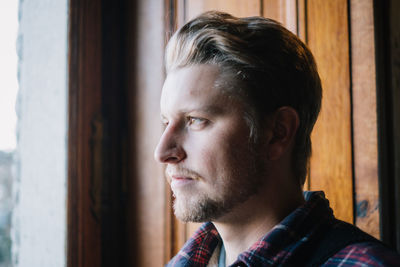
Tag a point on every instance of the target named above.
point(262, 62)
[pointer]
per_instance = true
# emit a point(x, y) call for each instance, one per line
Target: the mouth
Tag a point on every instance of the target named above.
point(181, 181)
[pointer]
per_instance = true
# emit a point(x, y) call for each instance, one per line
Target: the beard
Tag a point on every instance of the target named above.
point(238, 185)
point(198, 209)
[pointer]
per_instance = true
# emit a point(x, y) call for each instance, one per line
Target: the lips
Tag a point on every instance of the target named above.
point(180, 181)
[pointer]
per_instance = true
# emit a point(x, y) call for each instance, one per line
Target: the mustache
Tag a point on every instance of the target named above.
point(181, 171)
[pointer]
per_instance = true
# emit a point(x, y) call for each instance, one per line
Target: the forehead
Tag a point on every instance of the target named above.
point(191, 88)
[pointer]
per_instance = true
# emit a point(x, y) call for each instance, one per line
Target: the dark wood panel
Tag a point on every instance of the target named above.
point(365, 132)
point(387, 32)
point(97, 134)
point(395, 65)
point(84, 229)
point(331, 162)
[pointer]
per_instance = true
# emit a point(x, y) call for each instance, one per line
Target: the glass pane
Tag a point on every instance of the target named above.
point(8, 118)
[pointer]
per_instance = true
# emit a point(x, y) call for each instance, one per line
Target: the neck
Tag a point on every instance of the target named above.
point(251, 220)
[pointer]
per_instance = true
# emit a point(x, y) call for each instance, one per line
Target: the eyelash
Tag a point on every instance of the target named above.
point(191, 120)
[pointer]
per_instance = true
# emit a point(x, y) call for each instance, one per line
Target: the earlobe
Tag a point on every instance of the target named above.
point(283, 126)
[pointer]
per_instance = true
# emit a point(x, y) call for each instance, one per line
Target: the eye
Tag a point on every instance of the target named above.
point(164, 123)
point(197, 123)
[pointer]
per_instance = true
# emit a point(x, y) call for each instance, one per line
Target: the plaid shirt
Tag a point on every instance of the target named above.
point(286, 241)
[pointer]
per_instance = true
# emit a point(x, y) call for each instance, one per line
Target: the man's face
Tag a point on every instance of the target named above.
point(211, 161)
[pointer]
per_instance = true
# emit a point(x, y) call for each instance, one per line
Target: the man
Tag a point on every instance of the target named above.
point(239, 103)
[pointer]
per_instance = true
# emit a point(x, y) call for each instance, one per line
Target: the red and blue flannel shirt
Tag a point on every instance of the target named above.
point(286, 241)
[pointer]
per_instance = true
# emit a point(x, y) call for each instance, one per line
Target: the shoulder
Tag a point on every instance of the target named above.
point(364, 254)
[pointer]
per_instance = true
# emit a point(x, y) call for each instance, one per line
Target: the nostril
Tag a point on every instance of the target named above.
point(168, 154)
point(171, 160)
point(173, 155)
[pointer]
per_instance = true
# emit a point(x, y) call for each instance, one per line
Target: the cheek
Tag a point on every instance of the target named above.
point(235, 152)
point(220, 154)
point(203, 153)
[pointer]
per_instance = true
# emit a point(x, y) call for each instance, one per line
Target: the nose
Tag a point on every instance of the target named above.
point(169, 148)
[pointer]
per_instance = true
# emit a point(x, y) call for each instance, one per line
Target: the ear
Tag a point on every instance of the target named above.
point(283, 127)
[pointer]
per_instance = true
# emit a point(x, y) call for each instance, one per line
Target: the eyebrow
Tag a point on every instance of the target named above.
point(210, 110)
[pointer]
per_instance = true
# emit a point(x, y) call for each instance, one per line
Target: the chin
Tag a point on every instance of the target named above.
point(198, 210)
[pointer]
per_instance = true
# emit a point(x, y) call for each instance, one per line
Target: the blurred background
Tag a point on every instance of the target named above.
point(8, 119)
